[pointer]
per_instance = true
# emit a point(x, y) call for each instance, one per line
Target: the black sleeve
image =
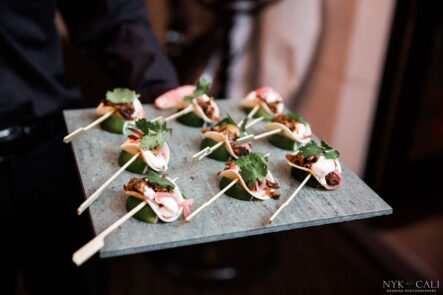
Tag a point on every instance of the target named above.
point(117, 34)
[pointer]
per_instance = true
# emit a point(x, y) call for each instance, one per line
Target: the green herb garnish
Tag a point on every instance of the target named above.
point(156, 179)
point(253, 167)
point(153, 133)
point(227, 120)
point(329, 151)
point(121, 95)
point(297, 117)
point(243, 127)
point(202, 88)
point(188, 98)
point(312, 149)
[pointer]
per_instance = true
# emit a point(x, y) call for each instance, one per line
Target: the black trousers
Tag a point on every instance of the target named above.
point(40, 192)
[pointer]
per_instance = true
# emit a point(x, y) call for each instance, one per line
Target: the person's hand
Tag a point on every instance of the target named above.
point(170, 98)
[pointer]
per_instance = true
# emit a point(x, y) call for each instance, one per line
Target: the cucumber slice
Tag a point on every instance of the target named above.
point(283, 142)
point(138, 166)
point(300, 175)
point(220, 154)
point(146, 214)
point(260, 113)
point(191, 119)
point(236, 191)
point(113, 124)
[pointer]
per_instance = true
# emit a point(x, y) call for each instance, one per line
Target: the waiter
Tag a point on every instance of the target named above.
point(39, 185)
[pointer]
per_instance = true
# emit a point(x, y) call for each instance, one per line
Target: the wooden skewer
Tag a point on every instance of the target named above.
point(175, 115)
point(290, 198)
point(71, 136)
point(250, 114)
point(85, 252)
point(251, 137)
point(188, 219)
point(156, 119)
point(97, 193)
point(186, 110)
point(206, 151)
point(252, 123)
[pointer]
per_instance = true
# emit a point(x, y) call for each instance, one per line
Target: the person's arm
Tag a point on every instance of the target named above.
point(117, 34)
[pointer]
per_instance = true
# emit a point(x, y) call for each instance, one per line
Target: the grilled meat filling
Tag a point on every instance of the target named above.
point(272, 105)
point(241, 150)
point(282, 119)
point(126, 110)
point(302, 161)
point(232, 134)
point(332, 179)
point(207, 108)
point(139, 184)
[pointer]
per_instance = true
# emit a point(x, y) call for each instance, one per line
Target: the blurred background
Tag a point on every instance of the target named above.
point(368, 76)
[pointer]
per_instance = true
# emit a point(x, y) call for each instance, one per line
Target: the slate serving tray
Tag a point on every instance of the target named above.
point(96, 154)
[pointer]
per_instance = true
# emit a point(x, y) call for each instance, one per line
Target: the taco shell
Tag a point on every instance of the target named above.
point(234, 174)
point(159, 163)
point(161, 212)
point(289, 134)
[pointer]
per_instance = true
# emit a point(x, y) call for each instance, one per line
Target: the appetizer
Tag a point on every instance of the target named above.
point(320, 161)
point(126, 109)
point(296, 131)
point(165, 201)
point(269, 101)
point(255, 180)
point(148, 141)
point(204, 109)
point(228, 132)
point(162, 194)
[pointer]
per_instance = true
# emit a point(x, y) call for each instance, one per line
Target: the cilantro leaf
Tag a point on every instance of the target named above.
point(121, 95)
point(297, 117)
point(148, 127)
point(156, 179)
point(311, 149)
point(227, 120)
point(202, 87)
point(150, 142)
point(153, 133)
point(329, 151)
point(253, 167)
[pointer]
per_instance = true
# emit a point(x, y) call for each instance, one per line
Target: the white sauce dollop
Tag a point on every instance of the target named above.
point(149, 193)
point(137, 108)
point(271, 97)
point(321, 168)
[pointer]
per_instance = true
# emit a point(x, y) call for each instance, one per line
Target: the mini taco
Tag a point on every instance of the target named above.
point(148, 140)
point(255, 180)
point(269, 101)
point(163, 196)
point(228, 132)
point(321, 161)
point(125, 106)
point(205, 110)
point(296, 131)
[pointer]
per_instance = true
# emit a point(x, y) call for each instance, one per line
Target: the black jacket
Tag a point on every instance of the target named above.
point(114, 33)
